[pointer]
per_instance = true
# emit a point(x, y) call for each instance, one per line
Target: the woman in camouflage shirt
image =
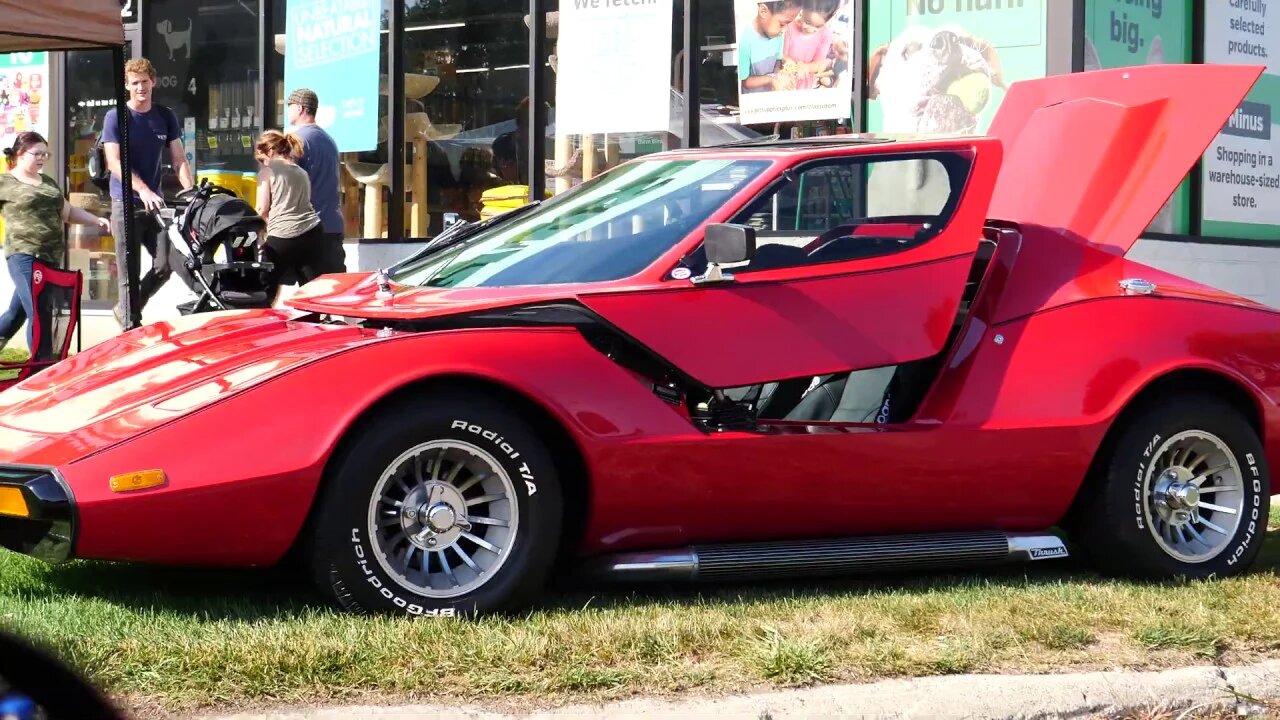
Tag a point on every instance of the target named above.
point(34, 212)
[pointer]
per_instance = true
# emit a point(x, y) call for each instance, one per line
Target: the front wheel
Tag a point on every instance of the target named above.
point(449, 505)
point(1186, 492)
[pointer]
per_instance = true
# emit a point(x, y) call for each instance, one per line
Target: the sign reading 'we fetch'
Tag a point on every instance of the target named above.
point(614, 69)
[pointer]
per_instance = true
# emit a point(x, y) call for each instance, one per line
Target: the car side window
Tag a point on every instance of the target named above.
point(851, 208)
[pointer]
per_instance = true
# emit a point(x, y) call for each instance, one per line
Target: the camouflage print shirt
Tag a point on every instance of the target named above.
point(32, 218)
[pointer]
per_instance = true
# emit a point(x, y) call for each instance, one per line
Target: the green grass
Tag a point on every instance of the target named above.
point(12, 355)
point(187, 639)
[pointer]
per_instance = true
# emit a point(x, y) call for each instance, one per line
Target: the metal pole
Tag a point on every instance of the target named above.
point(395, 120)
point(1064, 37)
point(131, 260)
point(1195, 226)
point(1078, 32)
point(537, 119)
point(692, 63)
point(857, 65)
point(267, 72)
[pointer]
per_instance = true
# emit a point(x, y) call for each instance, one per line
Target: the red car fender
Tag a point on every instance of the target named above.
point(280, 434)
point(1066, 375)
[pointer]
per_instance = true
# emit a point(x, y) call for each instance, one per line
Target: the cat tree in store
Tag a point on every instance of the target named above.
point(372, 179)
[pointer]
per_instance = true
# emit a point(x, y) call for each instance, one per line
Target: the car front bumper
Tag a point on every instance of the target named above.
point(48, 530)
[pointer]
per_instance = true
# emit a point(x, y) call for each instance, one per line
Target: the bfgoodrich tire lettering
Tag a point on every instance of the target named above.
point(1184, 492)
point(446, 505)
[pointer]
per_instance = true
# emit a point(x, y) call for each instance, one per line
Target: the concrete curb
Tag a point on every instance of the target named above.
point(1080, 695)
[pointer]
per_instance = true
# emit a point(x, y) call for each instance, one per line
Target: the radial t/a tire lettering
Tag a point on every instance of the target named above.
point(1185, 492)
point(444, 505)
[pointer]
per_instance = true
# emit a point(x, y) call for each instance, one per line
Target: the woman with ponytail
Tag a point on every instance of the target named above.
point(295, 238)
point(34, 212)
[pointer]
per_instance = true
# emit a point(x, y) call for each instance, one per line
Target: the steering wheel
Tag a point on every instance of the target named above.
point(895, 220)
point(848, 228)
point(828, 236)
point(49, 684)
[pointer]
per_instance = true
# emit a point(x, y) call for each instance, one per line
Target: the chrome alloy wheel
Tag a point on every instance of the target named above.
point(443, 518)
point(1193, 496)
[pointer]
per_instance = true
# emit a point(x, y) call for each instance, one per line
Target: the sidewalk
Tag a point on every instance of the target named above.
point(1080, 695)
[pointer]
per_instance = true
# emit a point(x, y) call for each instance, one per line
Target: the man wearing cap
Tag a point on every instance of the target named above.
point(320, 160)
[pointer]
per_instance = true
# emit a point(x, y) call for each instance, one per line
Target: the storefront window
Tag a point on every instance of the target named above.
point(466, 68)
point(206, 59)
point(577, 157)
point(467, 89)
point(90, 93)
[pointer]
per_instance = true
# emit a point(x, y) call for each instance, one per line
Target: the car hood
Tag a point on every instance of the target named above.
point(356, 295)
point(1095, 155)
point(132, 383)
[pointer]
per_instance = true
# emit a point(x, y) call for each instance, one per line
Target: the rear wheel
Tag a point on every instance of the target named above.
point(449, 505)
point(1185, 492)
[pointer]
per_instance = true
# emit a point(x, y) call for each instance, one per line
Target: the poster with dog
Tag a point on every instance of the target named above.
point(939, 67)
point(1120, 33)
point(793, 59)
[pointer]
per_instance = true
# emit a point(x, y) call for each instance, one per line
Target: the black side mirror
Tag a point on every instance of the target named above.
point(727, 243)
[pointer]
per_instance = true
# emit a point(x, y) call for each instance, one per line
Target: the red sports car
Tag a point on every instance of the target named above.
point(790, 358)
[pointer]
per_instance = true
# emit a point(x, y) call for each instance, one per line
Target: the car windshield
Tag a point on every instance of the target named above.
point(608, 228)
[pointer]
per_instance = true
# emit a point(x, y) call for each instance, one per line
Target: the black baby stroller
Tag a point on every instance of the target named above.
point(208, 219)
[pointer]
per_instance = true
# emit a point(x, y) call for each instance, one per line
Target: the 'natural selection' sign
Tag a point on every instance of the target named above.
point(332, 47)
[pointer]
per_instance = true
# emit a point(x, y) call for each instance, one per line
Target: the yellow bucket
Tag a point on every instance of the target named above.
point(498, 200)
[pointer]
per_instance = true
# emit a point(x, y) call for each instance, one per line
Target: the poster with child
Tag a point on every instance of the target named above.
point(24, 97)
point(793, 60)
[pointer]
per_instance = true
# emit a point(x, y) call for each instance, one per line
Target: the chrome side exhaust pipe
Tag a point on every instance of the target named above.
point(827, 557)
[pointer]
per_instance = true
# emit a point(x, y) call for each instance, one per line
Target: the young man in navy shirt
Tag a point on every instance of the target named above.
point(320, 160)
point(152, 131)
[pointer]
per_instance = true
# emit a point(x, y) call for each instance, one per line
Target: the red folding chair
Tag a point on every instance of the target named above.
point(57, 301)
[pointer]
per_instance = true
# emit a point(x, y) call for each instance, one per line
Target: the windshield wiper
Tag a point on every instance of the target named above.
point(461, 231)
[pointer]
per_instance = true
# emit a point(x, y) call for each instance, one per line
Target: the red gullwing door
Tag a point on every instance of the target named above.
point(1095, 155)
point(853, 290)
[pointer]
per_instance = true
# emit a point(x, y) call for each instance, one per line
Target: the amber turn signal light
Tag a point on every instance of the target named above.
point(12, 503)
point(140, 480)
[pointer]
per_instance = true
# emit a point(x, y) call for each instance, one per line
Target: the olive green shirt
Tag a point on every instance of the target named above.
point(32, 218)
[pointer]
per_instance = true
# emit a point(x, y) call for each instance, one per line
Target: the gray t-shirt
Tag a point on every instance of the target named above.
point(290, 213)
point(320, 160)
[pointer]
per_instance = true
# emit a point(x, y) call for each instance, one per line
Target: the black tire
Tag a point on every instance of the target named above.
point(1115, 521)
point(344, 558)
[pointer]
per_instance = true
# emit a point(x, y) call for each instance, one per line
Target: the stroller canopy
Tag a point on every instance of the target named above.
point(60, 24)
point(221, 213)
